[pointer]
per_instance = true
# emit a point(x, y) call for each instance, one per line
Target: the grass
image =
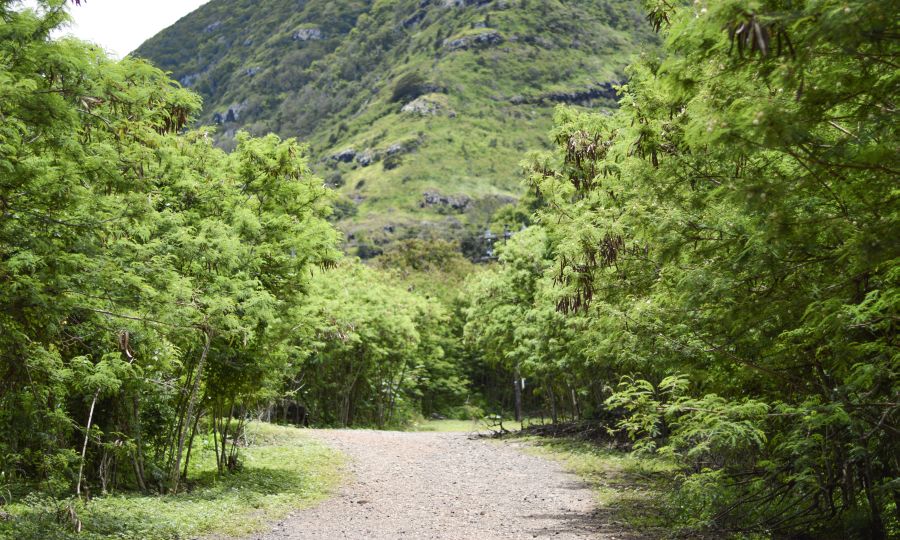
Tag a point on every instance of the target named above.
point(627, 488)
point(282, 470)
point(468, 426)
point(448, 426)
point(338, 92)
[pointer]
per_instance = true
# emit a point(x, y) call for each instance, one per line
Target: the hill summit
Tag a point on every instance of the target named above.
point(417, 111)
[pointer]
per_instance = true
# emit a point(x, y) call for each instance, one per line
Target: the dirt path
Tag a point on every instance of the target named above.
point(446, 486)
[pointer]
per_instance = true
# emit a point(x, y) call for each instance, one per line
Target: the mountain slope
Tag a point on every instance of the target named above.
point(417, 111)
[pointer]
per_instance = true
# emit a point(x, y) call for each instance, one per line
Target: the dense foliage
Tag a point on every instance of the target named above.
point(143, 271)
point(377, 351)
point(158, 292)
point(725, 247)
point(710, 271)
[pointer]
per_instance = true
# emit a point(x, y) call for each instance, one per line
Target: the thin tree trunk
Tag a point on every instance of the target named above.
point(175, 473)
point(552, 396)
point(190, 444)
point(87, 435)
point(394, 390)
point(575, 414)
point(874, 510)
point(138, 457)
point(179, 413)
point(226, 424)
point(517, 388)
point(347, 397)
point(215, 426)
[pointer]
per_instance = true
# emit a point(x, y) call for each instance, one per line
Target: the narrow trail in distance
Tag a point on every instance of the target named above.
point(447, 486)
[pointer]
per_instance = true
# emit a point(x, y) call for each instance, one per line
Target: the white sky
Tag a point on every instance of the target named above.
point(120, 26)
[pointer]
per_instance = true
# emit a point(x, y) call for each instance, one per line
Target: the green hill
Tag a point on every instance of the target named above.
point(417, 111)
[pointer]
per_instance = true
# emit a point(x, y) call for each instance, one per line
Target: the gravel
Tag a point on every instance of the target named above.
point(447, 486)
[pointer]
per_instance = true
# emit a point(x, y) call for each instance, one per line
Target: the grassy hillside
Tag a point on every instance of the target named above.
point(417, 111)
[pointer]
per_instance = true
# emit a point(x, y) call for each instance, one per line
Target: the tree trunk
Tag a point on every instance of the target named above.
point(552, 396)
point(175, 473)
point(575, 413)
point(394, 390)
point(517, 388)
point(138, 457)
point(87, 435)
point(874, 510)
point(190, 444)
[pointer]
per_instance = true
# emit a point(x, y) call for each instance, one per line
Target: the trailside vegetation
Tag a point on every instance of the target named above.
point(378, 352)
point(715, 269)
point(157, 293)
point(710, 272)
point(147, 277)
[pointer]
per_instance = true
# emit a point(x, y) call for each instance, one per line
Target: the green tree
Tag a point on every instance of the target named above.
point(145, 274)
point(735, 223)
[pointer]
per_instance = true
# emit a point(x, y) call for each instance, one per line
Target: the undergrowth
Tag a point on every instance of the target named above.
point(282, 470)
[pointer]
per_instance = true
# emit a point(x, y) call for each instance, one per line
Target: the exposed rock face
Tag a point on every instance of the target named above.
point(367, 157)
point(188, 80)
point(540, 41)
point(212, 27)
point(457, 203)
point(345, 156)
point(580, 97)
point(603, 91)
point(231, 115)
point(429, 105)
point(307, 34)
point(464, 3)
point(474, 41)
point(403, 147)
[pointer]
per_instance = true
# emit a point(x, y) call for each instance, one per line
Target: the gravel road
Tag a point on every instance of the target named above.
point(446, 486)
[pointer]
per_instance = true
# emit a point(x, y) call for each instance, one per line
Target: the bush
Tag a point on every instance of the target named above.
point(408, 87)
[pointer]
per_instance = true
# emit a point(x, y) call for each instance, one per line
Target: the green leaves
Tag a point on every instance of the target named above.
point(372, 350)
point(729, 225)
point(140, 267)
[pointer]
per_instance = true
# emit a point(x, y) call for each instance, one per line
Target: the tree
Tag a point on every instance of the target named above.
point(732, 224)
point(144, 273)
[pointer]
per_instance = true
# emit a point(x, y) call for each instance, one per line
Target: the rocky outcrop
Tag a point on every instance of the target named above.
point(367, 157)
point(188, 80)
point(605, 91)
point(456, 203)
point(370, 156)
point(345, 156)
point(403, 147)
point(463, 3)
point(307, 34)
point(231, 115)
point(428, 105)
point(474, 41)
